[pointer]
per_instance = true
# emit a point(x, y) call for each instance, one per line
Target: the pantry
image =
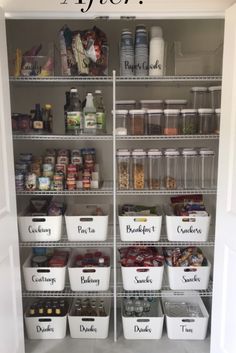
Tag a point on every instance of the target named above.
point(89, 252)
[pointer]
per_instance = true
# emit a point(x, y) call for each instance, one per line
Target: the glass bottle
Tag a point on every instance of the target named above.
point(100, 112)
point(38, 119)
point(48, 123)
point(74, 113)
point(90, 123)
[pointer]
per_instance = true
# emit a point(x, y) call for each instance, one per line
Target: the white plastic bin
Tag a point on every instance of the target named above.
point(90, 327)
point(142, 278)
point(81, 226)
point(189, 278)
point(40, 228)
point(88, 278)
point(186, 328)
point(140, 228)
point(43, 278)
point(148, 328)
point(46, 327)
point(187, 228)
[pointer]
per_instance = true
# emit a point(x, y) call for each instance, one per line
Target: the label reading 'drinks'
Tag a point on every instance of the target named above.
point(145, 329)
point(87, 328)
point(46, 329)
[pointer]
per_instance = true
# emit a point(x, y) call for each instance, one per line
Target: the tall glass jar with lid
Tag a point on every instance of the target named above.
point(190, 168)
point(138, 169)
point(172, 169)
point(207, 168)
point(154, 169)
point(123, 169)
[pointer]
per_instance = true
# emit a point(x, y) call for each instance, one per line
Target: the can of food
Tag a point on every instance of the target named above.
point(48, 170)
point(39, 261)
point(31, 182)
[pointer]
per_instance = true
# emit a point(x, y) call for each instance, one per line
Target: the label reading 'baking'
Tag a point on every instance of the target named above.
point(145, 329)
point(88, 230)
point(39, 230)
point(89, 280)
point(186, 329)
point(87, 329)
point(142, 280)
point(44, 329)
point(43, 279)
point(190, 230)
point(140, 230)
point(193, 279)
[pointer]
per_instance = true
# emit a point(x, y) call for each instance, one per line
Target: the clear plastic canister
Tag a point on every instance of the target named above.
point(199, 97)
point(121, 122)
point(172, 169)
point(138, 169)
point(188, 122)
point(205, 121)
point(215, 92)
point(216, 124)
point(125, 104)
point(123, 169)
point(154, 121)
point(171, 121)
point(137, 121)
point(154, 169)
point(152, 104)
point(176, 103)
point(190, 168)
point(207, 170)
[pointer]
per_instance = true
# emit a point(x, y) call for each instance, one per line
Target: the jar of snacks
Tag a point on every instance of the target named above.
point(207, 170)
point(172, 169)
point(216, 125)
point(205, 121)
point(138, 169)
point(188, 122)
point(199, 97)
point(215, 92)
point(154, 121)
point(171, 121)
point(154, 169)
point(123, 169)
point(137, 122)
point(122, 122)
point(190, 168)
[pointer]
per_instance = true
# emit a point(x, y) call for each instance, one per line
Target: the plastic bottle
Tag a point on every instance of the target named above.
point(90, 123)
point(156, 52)
point(100, 112)
point(141, 51)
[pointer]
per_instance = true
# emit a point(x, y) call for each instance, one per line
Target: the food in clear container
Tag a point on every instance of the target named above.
point(189, 122)
point(123, 169)
point(171, 121)
point(137, 122)
point(138, 169)
point(172, 169)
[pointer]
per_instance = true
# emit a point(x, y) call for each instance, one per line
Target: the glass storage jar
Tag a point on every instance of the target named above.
point(123, 169)
point(137, 121)
point(216, 124)
point(154, 169)
point(207, 169)
point(152, 104)
point(154, 121)
point(215, 92)
point(205, 121)
point(188, 122)
point(138, 169)
point(199, 97)
point(121, 122)
point(176, 103)
point(172, 169)
point(171, 121)
point(190, 168)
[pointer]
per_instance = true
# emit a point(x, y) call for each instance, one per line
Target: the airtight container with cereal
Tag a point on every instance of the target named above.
point(138, 169)
point(123, 169)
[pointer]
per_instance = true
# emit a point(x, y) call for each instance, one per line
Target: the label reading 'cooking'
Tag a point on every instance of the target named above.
point(39, 230)
point(89, 280)
point(140, 230)
point(40, 279)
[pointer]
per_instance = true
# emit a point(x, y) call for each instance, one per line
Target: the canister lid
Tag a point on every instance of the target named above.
point(123, 152)
point(206, 151)
point(155, 152)
point(214, 88)
point(151, 101)
point(121, 112)
point(137, 111)
point(218, 111)
point(154, 111)
point(199, 89)
point(205, 111)
point(188, 111)
point(139, 152)
point(171, 111)
point(171, 152)
point(189, 152)
point(176, 101)
point(126, 102)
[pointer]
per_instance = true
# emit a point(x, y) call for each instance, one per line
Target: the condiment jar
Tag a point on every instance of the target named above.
point(121, 122)
point(123, 169)
point(205, 121)
point(188, 122)
point(154, 169)
point(190, 168)
point(199, 97)
point(207, 168)
point(137, 122)
point(138, 168)
point(171, 121)
point(172, 169)
point(216, 124)
point(176, 103)
point(154, 121)
point(215, 92)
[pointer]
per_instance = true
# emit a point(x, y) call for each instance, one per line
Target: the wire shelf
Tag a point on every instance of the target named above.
point(65, 137)
point(167, 192)
point(63, 79)
point(167, 137)
point(67, 293)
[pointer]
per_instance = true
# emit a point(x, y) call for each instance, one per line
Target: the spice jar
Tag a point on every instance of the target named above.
point(199, 97)
point(123, 169)
point(190, 168)
point(207, 168)
point(137, 121)
point(205, 121)
point(171, 121)
point(154, 169)
point(154, 121)
point(121, 122)
point(188, 122)
point(176, 103)
point(138, 169)
point(172, 169)
point(215, 92)
point(216, 124)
